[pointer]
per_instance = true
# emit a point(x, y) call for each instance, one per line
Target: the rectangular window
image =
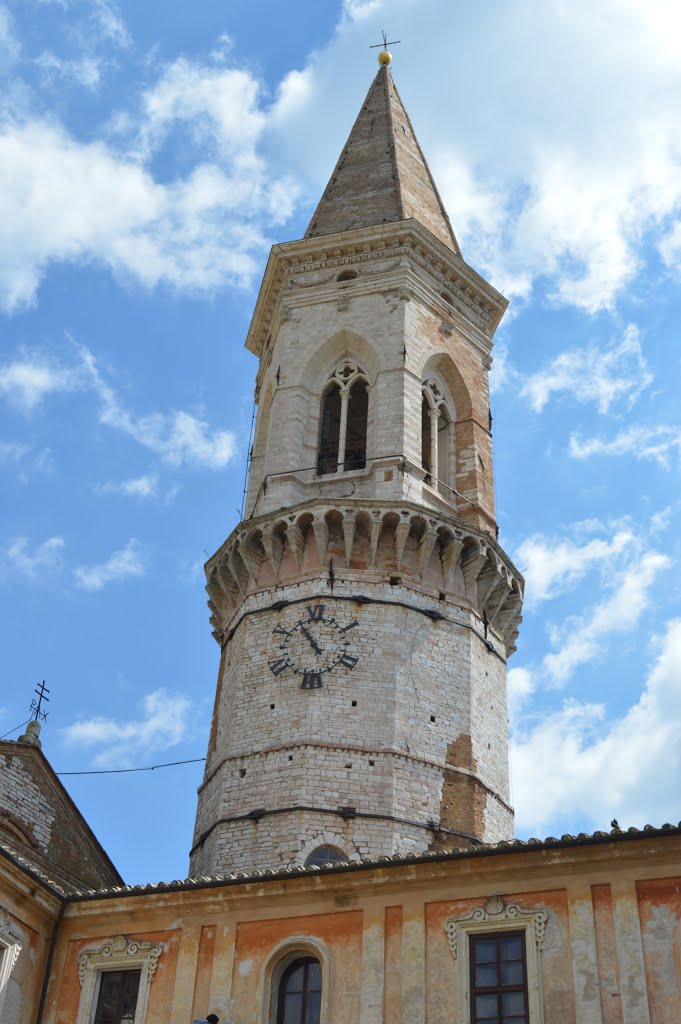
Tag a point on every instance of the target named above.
point(498, 978)
point(117, 998)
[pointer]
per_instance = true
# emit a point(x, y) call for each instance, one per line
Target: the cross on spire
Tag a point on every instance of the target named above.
point(385, 44)
point(37, 712)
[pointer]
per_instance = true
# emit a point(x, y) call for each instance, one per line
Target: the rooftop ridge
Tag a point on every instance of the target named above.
point(380, 175)
point(505, 846)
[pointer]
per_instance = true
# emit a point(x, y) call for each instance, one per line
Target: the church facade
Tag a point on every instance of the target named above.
point(353, 857)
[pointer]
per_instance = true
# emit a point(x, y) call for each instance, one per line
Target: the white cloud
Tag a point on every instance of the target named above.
point(165, 722)
point(86, 71)
point(558, 184)
point(9, 44)
point(45, 558)
point(97, 202)
point(178, 437)
point(122, 564)
point(581, 638)
point(626, 768)
point(553, 565)
point(520, 686)
point(13, 451)
point(360, 10)
point(108, 22)
point(25, 382)
point(593, 374)
point(657, 443)
point(136, 487)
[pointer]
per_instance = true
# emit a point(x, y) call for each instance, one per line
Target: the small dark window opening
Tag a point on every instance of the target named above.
point(325, 854)
point(242, 772)
point(425, 440)
point(300, 992)
point(356, 437)
point(354, 703)
point(117, 999)
point(432, 718)
point(327, 461)
point(498, 978)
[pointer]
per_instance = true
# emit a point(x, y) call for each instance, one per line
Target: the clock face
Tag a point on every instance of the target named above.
point(314, 646)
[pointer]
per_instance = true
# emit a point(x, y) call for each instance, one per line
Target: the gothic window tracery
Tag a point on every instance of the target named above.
point(437, 442)
point(344, 419)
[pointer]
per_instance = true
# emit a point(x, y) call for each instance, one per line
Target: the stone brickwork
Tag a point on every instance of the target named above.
point(392, 736)
point(39, 821)
point(382, 149)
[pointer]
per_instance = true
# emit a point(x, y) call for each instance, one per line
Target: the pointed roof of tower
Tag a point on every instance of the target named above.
point(381, 175)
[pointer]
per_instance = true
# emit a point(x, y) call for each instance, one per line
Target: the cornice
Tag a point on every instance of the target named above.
point(492, 584)
point(289, 263)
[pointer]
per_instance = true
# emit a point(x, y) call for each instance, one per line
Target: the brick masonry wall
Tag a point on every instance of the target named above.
point(38, 821)
point(417, 729)
point(380, 736)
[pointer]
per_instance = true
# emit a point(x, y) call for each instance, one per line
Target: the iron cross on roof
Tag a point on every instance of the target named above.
point(36, 705)
point(385, 44)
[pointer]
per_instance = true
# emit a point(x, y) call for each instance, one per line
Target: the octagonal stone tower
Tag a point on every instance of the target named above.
point(363, 607)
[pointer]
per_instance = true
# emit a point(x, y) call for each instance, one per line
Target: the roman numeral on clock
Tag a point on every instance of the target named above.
point(348, 660)
point(280, 630)
point(311, 681)
point(279, 666)
point(315, 611)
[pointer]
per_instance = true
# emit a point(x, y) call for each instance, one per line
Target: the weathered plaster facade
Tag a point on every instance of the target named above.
point(601, 919)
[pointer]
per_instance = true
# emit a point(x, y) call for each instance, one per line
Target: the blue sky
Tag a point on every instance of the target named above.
point(149, 156)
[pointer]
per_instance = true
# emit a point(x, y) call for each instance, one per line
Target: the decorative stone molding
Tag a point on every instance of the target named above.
point(436, 549)
point(119, 953)
point(497, 916)
point(10, 948)
point(495, 912)
point(409, 248)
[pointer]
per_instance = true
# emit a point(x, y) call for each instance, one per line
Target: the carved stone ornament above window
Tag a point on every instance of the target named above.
point(10, 939)
point(119, 953)
point(10, 948)
point(495, 912)
point(120, 949)
point(496, 915)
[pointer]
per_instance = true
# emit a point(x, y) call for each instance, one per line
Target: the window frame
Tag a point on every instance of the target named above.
point(115, 970)
point(299, 960)
point(117, 954)
point(294, 947)
point(11, 944)
point(440, 478)
point(499, 988)
point(496, 916)
point(347, 375)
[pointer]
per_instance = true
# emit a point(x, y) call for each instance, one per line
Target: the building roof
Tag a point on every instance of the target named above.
point(483, 850)
point(381, 175)
point(50, 833)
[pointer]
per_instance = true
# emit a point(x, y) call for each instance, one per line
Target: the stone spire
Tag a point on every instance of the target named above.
point(381, 176)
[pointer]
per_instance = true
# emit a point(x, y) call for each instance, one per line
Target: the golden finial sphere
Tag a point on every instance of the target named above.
point(384, 57)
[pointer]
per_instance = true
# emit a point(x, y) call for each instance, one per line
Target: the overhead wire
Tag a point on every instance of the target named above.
point(120, 771)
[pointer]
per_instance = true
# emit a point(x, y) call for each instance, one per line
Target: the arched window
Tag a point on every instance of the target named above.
point(436, 439)
point(345, 411)
point(326, 854)
point(299, 998)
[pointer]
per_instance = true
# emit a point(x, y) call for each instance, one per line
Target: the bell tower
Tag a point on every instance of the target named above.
point(363, 607)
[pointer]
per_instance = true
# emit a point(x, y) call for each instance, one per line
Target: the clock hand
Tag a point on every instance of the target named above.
point(313, 642)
